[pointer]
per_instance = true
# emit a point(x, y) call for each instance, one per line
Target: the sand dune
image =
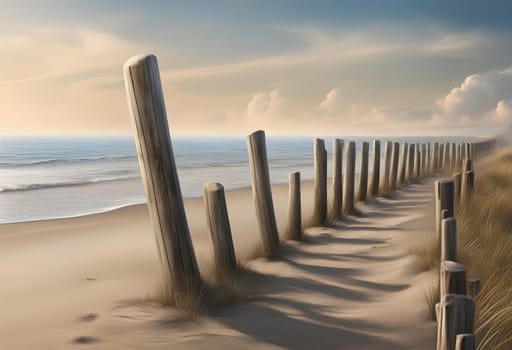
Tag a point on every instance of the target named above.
point(71, 282)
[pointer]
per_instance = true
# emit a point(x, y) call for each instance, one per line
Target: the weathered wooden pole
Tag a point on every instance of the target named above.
point(444, 200)
point(453, 278)
point(384, 181)
point(374, 183)
point(440, 166)
point(217, 220)
point(363, 175)
point(410, 163)
point(446, 156)
point(262, 192)
point(453, 156)
point(403, 163)
point(467, 186)
point(348, 181)
point(160, 178)
point(294, 207)
point(457, 185)
point(449, 239)
point(473, 287)
point(320, 183)
point(428, 165)
point(337, 177)
point(423, 167)
point(458, 162)
point(435, 158)
point(457, 316)
point(417, 163)
point(465, 341)
point(395, 157)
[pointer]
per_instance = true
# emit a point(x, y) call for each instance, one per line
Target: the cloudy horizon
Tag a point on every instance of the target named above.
point(289, 67)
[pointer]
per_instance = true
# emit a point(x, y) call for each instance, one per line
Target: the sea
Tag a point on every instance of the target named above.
point(47, 177)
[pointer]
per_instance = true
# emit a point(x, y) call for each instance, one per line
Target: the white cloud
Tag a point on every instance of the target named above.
point(330, 102)
point(481, 98)
point(264, 108)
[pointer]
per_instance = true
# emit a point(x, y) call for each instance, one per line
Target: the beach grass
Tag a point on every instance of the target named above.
point(484, 244)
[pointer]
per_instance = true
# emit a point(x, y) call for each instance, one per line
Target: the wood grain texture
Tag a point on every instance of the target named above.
point(337, 177)
point(403, 163)
point(374, 183)
point(449, 239)
point(217, 220)
point(465, 341)
point(294, 207)
point(348, 183)
point(457, 316)
point(384, 181)
point(262, 192)
point(160, 178)
point(395, 158)
point(452, 278)
point(320, 183)
point(363, 174)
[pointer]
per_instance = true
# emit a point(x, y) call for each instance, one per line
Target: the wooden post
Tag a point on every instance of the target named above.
point(294, 207)
point(374, 184)
point(410, 163)
point(423, 168)
point(435, 158)
point(395, 157)
point(449, 239)
point(363, 175)
point(457, 164)
point(160, 178)
point(465, 341)
point(348, 183)
point(417, 163)
point(444, 200)
point(217, 220)
point(446, 156)
point(337, 177)
point(384, 181)
point(453, 278)
point(473, 287)
point(441, 157)
point(457, 316)
point(467, 187)
point(457, 185)
point(428, 165)
point(320, 204)
point(262, 192)
point(403, 163)
point(453, 156)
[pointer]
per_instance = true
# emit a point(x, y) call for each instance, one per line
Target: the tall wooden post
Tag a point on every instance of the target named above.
point(467, 187)
point(348, 183)
point(394, 166)
point(441, 157)
point(457, 316)
point(465, 341)
point(160, 178)
point(449, 239)
point(457, 185)
point(262, 192)
point(435, 158)
point(453, 278)
point(320, 204)
point(410, 163)
point(403, 163)
point(217, 220)
point(337, 177)
point(417, 163)
point(428, 164)
point(294, 207)
point(374, 184)
point(444, 200)
point(363, 175)
point(384, 181)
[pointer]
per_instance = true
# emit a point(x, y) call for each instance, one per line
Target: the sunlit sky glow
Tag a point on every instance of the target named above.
point(286, 66)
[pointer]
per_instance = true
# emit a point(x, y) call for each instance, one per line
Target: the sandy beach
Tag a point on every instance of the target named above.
point(87, 281)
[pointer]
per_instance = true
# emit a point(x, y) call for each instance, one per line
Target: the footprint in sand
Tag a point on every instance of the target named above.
point(84, 339)
point(88, 317)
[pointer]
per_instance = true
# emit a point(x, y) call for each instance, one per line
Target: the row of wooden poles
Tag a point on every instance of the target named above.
point(455, 311)
point(165, 203)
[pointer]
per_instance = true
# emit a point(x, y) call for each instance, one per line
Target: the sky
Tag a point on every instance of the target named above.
point(290, 67)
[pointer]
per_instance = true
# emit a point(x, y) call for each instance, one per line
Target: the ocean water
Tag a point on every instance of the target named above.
point(56, 177)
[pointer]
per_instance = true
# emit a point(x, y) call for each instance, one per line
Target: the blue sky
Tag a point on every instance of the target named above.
point(290, 67)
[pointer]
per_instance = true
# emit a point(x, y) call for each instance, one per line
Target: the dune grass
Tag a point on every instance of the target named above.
point(484, 244)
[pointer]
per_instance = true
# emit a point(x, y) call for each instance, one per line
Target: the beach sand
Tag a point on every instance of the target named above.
point(84, 282)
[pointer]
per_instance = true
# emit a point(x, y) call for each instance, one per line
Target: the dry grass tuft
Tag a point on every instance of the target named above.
point(484, 243)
